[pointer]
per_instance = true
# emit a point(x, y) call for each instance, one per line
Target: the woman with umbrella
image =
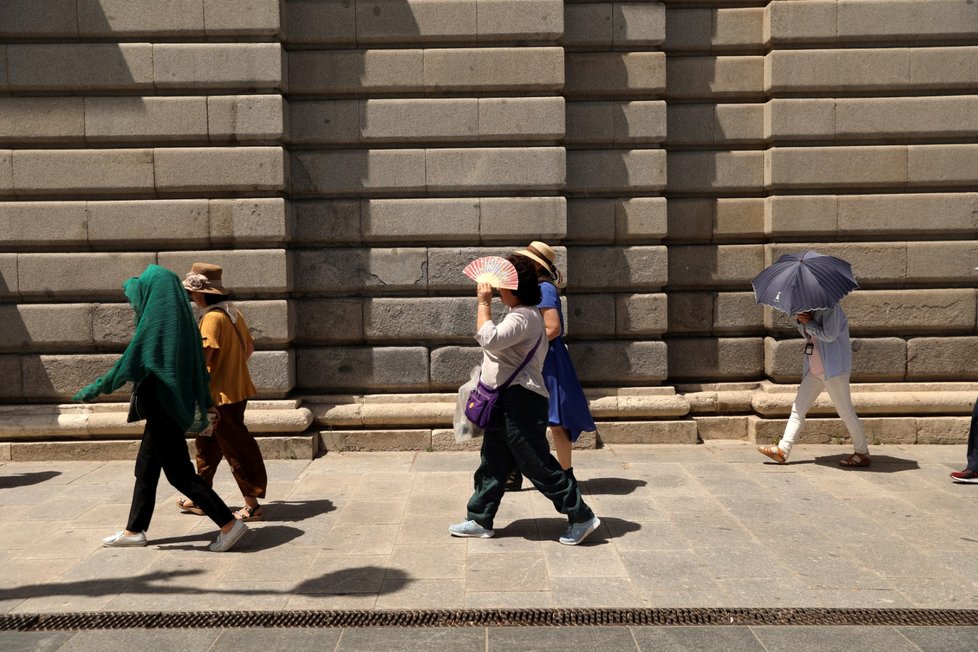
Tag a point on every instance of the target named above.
point(809, 286)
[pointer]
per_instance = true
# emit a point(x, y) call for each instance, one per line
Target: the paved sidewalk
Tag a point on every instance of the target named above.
point(714, 525)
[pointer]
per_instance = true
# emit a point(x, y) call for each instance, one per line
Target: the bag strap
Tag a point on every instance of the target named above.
point(524, 363)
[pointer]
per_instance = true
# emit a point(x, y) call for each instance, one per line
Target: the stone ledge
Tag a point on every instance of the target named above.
point(304, 447)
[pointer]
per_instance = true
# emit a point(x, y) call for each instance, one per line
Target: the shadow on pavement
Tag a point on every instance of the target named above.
point(268, 536)
point(25, 479)
point(550, 529)
point(881, 464)
point(612, 486)
point(296, 510)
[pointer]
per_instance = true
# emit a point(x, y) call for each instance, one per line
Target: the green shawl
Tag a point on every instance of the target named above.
point(167, 345)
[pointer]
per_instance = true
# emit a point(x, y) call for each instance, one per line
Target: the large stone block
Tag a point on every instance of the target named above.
point(414, 120)
point(426, 319)
point(357, 171)
point(848, 70)
point(325, 122)
point(89, 68)
point(520, 218)
point(648, 432)
point(590, 123)
point(640, 219)
point(941, 262)
point(45, 328)
point(445, 266)
point(641, 315)
point(60, 376)
point(249, 272)
point(878, 359)
point(271, 323)
point(836, 167)
point(738, 28)
point(529, 19)
point(801, 119)
point(615, 74)
point(12, 373)
point(521, 118)
point(242, 117)
point(709, 172)
point(27, 18)
point(451, 366)
point(901, 214)
point(131, 18)
point(738, 124)
point(942, 166)
point(724, 266)
point(912, 311)
point(804, 21)
point(326, 222)
point(689, 29)
point(362, 369)
point(415, 21)
point(218, 65)
point(358, 270)
point(195, 169)
point(691, 313)
point(639, 24)
point(802, 215)
point(591, 221)
point(890, 20)
point(607, 268)
point(67, 275)
point(905, 117)
point(738, 219)
point(387, 220)
point(252, 17)
point(596, 171)
point(355, 71)
point(273, 372)
point(737, 313)
point(112, 326)
point(248, 220)
point(695, 29)
point(874, 264)
point(329, 321)
point(716, 358)
point(329, 22)
point(494, 69)
point(943, 68)
point(141, 119)
point(590, 315)
point(690, 220)
point(47, 224)
point(715, 77)
point(103, 171)
point(942, 358)
point(42, 119)
point(495, 169)
point(589, 25)
point(6, 172)
point(9, 285)
point(620, 363)
point(148, 223)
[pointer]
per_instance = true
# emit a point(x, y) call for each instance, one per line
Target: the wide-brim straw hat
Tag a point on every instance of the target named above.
point(542, 253)
point(205, 278)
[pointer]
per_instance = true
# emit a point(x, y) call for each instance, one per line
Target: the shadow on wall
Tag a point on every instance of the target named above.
point(333, 159)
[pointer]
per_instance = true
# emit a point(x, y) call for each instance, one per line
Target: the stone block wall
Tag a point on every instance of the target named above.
point(344, 159)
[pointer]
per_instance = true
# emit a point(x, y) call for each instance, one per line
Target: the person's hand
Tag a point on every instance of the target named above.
point(483, 292)
point(213, 415)
point(804, 317)
point(86, 394)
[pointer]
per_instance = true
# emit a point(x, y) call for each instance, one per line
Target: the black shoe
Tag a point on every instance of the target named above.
point(514, 482)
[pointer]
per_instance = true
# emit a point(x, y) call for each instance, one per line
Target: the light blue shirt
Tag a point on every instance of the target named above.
point(830, 330)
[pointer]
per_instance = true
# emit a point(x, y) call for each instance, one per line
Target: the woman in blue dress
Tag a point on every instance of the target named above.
point(569, 412)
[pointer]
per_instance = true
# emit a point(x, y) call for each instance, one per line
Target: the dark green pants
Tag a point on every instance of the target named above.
point(518, 440)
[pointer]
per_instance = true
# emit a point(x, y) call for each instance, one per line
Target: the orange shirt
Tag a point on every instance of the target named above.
point(230, 379)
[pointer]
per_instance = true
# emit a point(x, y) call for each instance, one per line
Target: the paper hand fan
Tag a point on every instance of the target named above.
point(497, 272)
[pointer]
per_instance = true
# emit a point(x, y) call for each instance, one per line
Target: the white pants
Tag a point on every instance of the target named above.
point(808, 391)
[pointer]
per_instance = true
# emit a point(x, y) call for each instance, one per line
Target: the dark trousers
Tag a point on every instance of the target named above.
point(164, 448)
point(973, 441)
point(518, 440)
point(231, 440)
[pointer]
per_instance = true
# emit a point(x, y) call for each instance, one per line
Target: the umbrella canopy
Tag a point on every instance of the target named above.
point(801, 282)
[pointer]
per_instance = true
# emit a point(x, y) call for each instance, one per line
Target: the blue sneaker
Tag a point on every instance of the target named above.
point(577, 532)
point(470, 529)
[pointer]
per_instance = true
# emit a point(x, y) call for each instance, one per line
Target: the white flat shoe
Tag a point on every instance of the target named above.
point(226, 541)
point(120, 540)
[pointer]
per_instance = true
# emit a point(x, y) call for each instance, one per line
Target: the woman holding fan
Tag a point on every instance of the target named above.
point(515, 438)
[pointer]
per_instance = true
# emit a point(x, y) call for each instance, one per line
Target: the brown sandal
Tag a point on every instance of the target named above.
point(248, 514)
point(856, 460)
point(187, 507)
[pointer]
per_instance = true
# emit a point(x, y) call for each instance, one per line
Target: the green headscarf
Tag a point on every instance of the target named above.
point(167, 345)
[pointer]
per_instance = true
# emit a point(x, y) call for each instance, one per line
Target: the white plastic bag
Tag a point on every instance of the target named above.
point(465, 429)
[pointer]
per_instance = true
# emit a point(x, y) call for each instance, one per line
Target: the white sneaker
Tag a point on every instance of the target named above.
point(120, 540)
point(225, 541)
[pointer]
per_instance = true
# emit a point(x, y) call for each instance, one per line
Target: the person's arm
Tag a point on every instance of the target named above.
point(551, 321)
point(208, 357)
point(827, 327)
point(511, 330)
point(483, 293)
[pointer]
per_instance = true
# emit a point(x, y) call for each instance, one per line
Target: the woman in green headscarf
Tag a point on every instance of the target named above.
point(165, 363)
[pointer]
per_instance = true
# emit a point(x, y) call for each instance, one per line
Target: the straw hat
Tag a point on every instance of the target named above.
point(206, 278)
point(543, 254)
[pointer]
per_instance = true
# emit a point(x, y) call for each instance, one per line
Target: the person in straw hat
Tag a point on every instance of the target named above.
point(570, 414)
point(227, 347)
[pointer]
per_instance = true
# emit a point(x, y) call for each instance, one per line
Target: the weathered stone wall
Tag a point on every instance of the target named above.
point(345, 158)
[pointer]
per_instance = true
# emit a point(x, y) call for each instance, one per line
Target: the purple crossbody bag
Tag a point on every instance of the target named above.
point(481, 406)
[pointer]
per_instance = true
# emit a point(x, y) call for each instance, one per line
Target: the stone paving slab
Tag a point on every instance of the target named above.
point(683, 526)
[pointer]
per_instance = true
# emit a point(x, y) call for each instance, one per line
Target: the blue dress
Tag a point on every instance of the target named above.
point(568, 405)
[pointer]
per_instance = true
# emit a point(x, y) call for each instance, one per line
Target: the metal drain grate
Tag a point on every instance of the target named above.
point(486, 618)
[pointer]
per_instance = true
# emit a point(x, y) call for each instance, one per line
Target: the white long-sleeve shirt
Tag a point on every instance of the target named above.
point(506, 345)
